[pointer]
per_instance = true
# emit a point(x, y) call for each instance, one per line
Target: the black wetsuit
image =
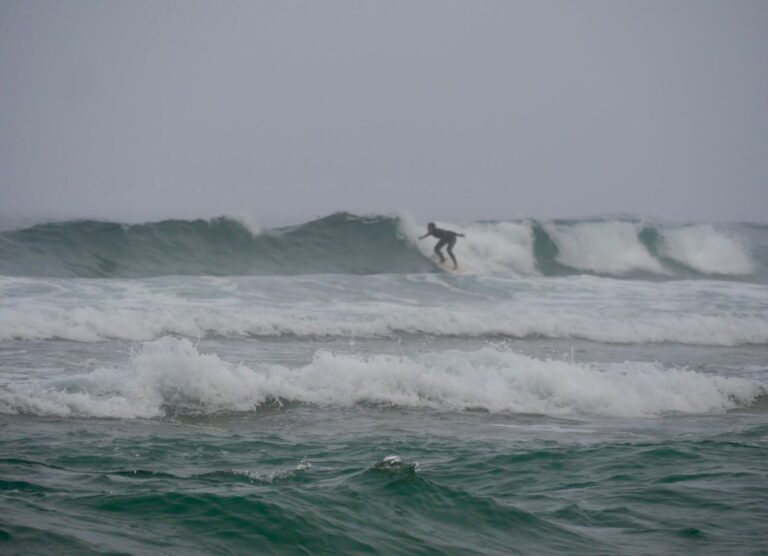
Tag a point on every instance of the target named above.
point(446, 237)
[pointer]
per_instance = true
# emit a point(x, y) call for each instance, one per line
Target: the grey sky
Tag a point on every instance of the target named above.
point(450, 110)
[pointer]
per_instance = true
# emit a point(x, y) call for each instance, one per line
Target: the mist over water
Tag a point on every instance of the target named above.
point(301, 380)
point(290, 111)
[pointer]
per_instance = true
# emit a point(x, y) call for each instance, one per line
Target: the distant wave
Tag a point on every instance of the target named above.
point(170, 376)
point(347, 243)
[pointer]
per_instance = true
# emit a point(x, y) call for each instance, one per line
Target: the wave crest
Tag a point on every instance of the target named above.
point(346, 243)
point(707, 250)
point(170, 377)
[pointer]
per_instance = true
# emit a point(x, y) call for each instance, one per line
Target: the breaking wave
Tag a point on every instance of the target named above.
point(171, 377)
point(91, 324)
point(346, 243)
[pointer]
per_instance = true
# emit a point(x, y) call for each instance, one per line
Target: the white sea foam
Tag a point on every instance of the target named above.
point(586, 307)
point(707, 250)
point(169, 376)
point(607, 247)
point(89, 324)
point(248, 221)
point(486, 248)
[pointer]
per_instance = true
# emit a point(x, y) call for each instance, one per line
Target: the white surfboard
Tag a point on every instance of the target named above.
point(447, 266)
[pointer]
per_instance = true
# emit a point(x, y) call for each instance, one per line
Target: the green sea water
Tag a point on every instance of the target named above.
point(583, 387)
point(298, 480)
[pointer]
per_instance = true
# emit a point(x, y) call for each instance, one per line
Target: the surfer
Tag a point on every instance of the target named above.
point(446, 237)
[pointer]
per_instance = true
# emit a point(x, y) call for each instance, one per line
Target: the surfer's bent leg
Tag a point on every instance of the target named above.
point(437, 249)
point(451, 243)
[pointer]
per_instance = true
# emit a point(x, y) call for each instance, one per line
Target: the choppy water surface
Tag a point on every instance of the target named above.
point(581, 387)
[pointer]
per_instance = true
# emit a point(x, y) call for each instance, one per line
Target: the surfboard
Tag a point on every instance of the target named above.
point(447, 266)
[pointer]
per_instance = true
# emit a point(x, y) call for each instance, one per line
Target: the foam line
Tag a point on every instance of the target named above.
point(170, 376)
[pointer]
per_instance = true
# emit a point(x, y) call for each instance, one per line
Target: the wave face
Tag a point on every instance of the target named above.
point(170, 377)
point(339, 243)
point(346, 243)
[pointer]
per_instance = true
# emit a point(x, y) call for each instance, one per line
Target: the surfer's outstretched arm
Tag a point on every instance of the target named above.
point(426, 235)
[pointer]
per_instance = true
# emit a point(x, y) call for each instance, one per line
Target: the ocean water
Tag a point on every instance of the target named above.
point(594, 386)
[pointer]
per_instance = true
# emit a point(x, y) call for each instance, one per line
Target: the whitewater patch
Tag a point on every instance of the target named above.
point(487, 248)
point(344, 243)
point(592, 308)
point(89, 324)
point(706, 250)
point(604, 247)
point(171, 377)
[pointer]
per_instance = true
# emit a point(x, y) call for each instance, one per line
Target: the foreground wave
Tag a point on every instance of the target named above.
point(171, 377)
point(346, 243)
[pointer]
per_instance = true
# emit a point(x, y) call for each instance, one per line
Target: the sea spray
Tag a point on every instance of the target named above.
point(171, 377)
point(206, 387)
point(707, 250)
point(344, 243)
point(386, 306)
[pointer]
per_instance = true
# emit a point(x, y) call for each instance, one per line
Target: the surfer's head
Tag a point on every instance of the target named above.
point(431, 226)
